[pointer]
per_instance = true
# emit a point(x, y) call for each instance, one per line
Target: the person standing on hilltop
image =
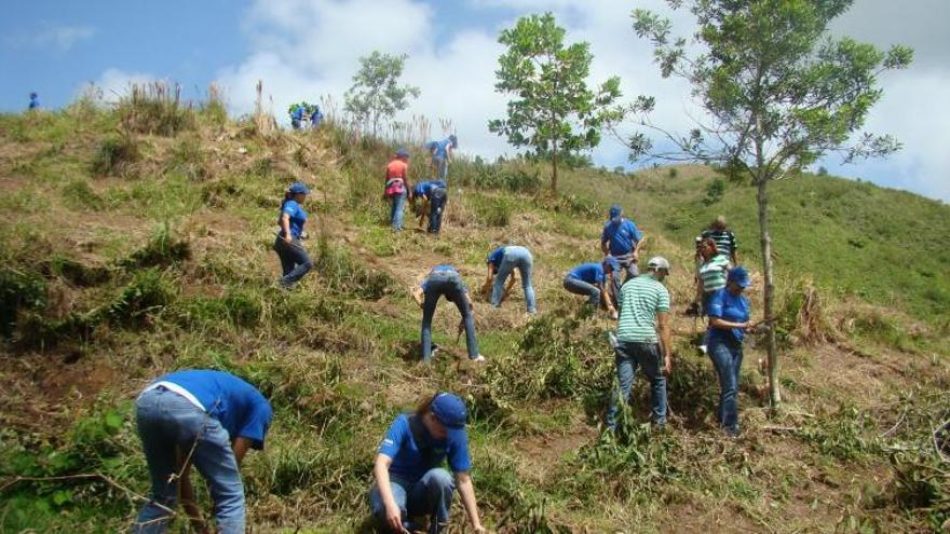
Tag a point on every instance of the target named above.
point(204, 418)
point(294, 261)
point(501, 265)
point(410, 482)
point(728, 311)
point(621, 239)
point(441, 153)
point(34, 101)
point(316, 117)
point(397, 187)
point(644, 309)
point(445, 281)
point(590, 279)
point(296, 116)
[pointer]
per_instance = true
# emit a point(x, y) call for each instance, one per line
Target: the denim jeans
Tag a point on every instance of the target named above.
point(628, 268)
point(450, 285)
point(727, 359)
point(580, 287)
point(520, 258)
point(437, 198)
point(169, 425)
point(294, 261)
point(431, 496)
point(441, 169)
point(628, 356)
point(396, 213)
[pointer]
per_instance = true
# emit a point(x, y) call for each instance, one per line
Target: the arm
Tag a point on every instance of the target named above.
point(285, 226)
point(722, 324)
point(636, 249)
point(240, 448)
point(188, 501)
point(467, 493)
point(663, 318)
point(604, 249)
point(381, 472)
point(486, 287)
point(605, 298)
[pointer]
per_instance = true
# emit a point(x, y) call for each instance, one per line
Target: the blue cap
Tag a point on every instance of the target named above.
point(454, 140)
point(611, 262)
point(402, 153)
point(615, 211)
point(450, 411)
point(740, 277)
point(298, 187)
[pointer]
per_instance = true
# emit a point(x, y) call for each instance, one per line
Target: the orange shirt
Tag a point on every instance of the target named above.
point(397, 169)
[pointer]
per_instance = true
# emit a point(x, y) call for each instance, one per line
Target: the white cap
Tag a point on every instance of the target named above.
point(659, 262)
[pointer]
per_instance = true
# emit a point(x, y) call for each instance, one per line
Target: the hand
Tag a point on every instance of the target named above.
point(289, 239)
point(614, 315)
point(394, 519)
point(480, 528)
point(668, 365)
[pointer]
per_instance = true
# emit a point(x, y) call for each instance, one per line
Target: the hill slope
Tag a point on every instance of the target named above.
point(126, 254)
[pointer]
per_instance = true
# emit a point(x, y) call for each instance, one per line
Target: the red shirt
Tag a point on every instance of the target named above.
point(397, 168)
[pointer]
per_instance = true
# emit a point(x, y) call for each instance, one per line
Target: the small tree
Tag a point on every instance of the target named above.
point(376, 92)
point(554, 112)
point(780, 93)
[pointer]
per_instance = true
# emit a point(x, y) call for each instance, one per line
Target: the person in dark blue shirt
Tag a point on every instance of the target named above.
point(34, 101)
point(728, 311)
point(428, 201)
point(621, 239)
point(204, 418)
point(294, 261)
point(410, 482)
point(316, 117)
point(296, 116)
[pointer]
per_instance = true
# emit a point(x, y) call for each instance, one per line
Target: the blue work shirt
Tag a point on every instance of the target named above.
point(298, 217)
point(411, 459)
point(622, 236)
point(439, 149)
point(297, 113)
point(592, 273)
point(237, 405)
point(426, 187)
point(316, 119)
point(496, 256)
point(34, 103)
point(728, 307)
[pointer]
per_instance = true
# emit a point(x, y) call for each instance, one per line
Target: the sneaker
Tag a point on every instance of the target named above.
point(435, 349)
point(479, 359)
point(702, 348)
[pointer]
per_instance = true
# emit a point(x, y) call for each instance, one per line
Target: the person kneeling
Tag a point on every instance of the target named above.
point(409, 482)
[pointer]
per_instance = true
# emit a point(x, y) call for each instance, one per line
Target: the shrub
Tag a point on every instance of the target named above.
point(148, 293)
point(115, 155)
point(714, 191)
point(18, 290)
point(345, 274)
point(163, 249)
point(155, 108)
point(494, 211)
point(187, 158)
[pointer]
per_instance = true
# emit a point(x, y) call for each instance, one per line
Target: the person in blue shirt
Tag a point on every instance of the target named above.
point(34, 101)
point(428, 201)
point(501, 265)
point(316, 117)
point(621, 239)
point(296, 116)
point(410, 482)
point(294, 261)
point(445, 281)
point(204, 418)
point(589, 279)
point(728, 311)
point(441, 152)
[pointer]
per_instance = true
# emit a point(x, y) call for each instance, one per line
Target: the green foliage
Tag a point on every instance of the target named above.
point(77, 273)
point(155, 109)
point(189, 159)
point(494, 211)
point(555, 112)
point(18, 290)
point(343, 273)
point(115, 155)
point(163, 249)
point(714, 191)
point(79, 196)
point(376, 93)
point(147, 294)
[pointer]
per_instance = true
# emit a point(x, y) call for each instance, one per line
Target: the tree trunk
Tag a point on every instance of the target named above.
point(554, 167)
point(769, 291)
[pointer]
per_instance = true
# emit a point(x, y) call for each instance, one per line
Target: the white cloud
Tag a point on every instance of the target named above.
point(115, 84)
point(58, 38)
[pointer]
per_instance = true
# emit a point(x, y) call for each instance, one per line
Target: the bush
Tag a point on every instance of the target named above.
point(146, 294)
point(343, 273)
point(494, 211)
point(116, 154)
point(155, 108)
point(714, 191)
point(18, 290)
point(161, 251)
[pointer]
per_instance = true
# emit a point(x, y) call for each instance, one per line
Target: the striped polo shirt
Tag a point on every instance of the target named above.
point(725, 240)
point(713, 272)
point(641, 299)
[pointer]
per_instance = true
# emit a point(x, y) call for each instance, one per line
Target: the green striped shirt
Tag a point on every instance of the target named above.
point(713, 273)
point(641, 299)
point(725, 241)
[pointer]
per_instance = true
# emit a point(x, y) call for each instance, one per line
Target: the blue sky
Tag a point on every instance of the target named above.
point(303, 49)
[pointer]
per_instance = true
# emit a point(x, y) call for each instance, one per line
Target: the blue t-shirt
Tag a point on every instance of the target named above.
point(729, 307)
point(496, 256)
point(592, 273)
point(622, 236)
point(34, 103)
point(426, 187)
point(316, 118)
point(297, 113)
point(237, 405)
point(411, 459)
point(298, 217)
point(439, 149)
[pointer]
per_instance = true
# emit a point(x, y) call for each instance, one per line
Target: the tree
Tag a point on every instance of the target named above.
point(376, 92)
point(779, 93)
point(555, 112)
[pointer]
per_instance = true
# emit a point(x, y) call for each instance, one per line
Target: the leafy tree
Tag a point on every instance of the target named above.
point(555, 113)
point(779, 93)
point(376, 92)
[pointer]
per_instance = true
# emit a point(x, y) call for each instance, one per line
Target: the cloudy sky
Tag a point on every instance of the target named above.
point(305, 49)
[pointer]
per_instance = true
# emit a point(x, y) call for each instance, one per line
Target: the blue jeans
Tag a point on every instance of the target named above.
point(450, 285)
point(294, 261)
point(630, 355)
point(628, 268)
point(431, 496)
point(169, 426)
point(726, 357)
point(396, 213)
point(580, 287)
point(520, 258)
point(441, 169)
point(437, 198)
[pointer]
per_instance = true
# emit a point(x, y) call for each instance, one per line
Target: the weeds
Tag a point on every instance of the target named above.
point(155, 108)
point(116, 155)
point(162, 250)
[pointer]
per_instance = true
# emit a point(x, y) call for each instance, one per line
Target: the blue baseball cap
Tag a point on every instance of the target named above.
point(615, 211)
point(454, 140)
point(298, 187)
point(402, 153)
point(740, 277)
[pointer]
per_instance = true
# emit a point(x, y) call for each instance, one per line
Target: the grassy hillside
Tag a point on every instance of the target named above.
point(137, 240)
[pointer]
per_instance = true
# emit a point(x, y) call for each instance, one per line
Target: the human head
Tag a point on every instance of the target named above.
point(454, 140)
point(616, 211)
point(659, 266)
point(718, 224)
point(402, 153)
point(445, 416)
point(708, 248)
point(33, 95)
point(738, 279)
point(297, 190)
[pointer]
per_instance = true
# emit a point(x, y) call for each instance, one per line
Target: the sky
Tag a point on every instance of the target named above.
point(310, 49)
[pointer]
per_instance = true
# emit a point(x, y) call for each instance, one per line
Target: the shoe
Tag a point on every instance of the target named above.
point(702, 348)
point(479, 359)
point(435, 349)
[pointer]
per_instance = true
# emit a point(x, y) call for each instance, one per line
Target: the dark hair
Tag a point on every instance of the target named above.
point(710, 242)
point(425, 404)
